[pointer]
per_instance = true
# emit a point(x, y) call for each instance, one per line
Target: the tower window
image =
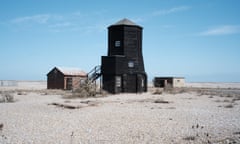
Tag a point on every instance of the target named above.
point(117, 43)
point(118, 81)
point(130, 64)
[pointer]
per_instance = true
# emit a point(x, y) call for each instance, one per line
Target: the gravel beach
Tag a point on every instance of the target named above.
point(187, 117)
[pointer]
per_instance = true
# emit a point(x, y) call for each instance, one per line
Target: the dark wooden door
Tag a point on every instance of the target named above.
point(140, 83)
point(131, 85)
point(69, 84)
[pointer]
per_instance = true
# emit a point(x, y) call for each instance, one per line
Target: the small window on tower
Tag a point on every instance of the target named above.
point(117, 44)
point(130, 64)
point(118, 81)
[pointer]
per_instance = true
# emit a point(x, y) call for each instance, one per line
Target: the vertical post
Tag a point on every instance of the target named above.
point(65, 83)
point(100, 84)
point(95, 72)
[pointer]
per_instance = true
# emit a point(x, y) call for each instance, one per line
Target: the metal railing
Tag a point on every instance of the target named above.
point(4, 83)
point(94, 74)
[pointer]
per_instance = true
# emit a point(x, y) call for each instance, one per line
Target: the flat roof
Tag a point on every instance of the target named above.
point(170, 77)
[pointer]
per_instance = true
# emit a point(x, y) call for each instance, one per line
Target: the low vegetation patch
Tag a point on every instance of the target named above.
point(226, 100)
point(228, 140)
point(86, 90)
point(171, 90)
point(210, 97)
point(1, 126)
point(237, 98)
point(228, 106)
point(21, 92)
point(6, 97)
point(218, 92)
point(157, 91)
point(161, 101)
point(237, 133)
point(189, 138)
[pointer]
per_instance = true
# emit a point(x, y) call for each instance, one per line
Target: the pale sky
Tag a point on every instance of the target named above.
point(199, 40)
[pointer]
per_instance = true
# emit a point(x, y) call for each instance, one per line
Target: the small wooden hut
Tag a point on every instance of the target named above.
point(65, 78)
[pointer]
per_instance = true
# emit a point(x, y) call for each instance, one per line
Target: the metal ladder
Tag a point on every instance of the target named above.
point(94, 74)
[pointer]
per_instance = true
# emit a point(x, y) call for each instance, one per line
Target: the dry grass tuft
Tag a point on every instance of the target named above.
point(21, 92)
point(86, 90)
point(230, 95)
point(157, 91)
point(6, 97)
point(171, 90)
point(101, 93)
point(47, 92)
point(228, 141)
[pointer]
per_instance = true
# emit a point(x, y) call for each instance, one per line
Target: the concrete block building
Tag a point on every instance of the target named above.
point(174, 82)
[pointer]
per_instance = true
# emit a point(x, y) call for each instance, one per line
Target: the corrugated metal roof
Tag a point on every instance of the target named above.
point(125, 21)
point(72, 71)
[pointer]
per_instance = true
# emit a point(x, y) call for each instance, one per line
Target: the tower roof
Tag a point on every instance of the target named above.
point(125, 21)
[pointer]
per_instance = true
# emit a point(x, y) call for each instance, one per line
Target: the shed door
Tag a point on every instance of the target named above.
point(69, 84)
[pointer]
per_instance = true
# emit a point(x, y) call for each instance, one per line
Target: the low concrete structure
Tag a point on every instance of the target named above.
point(173, 82)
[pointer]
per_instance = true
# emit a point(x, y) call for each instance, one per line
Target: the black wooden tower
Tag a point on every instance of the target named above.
point(123, 68)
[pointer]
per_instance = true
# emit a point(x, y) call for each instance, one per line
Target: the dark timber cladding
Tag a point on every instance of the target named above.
point(65, 78)
point(123, 68)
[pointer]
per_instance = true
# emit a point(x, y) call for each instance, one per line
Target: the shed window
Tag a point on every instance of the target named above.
point(117, 43)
